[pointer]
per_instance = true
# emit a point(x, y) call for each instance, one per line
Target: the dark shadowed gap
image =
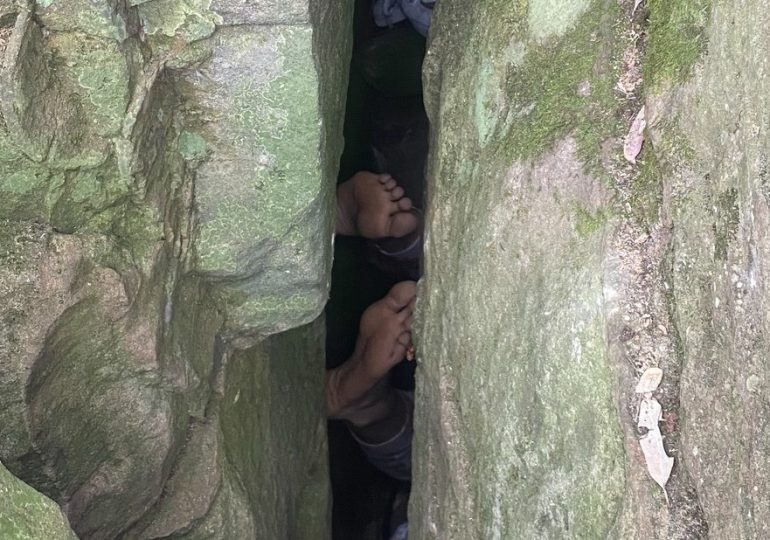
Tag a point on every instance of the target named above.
point(385, 130)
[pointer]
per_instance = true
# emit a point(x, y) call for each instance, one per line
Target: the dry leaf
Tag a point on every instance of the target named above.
point(649, 381)
point(650, 413)
point(659, 464)
point(635, 138)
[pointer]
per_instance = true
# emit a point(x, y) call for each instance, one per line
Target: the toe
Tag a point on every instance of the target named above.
point(399, 348)
point(407, 324)
point(384, 178)
point(402, 224)
point(404, 204)
point(396, 193)
point(403, 316)
point(401, 295)
point(390, 183)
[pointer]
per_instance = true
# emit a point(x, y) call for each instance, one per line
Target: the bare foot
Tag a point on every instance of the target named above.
point(385, 330)
point(385, 333)
point(374, 206)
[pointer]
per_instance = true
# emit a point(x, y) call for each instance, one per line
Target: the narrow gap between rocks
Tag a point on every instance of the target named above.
point(386, 131)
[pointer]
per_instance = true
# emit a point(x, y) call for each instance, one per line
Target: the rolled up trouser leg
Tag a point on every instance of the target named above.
point(387, 443)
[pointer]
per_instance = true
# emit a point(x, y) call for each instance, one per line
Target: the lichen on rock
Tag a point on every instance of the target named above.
point(557, 272)
point(116, 338)
point(28, 515)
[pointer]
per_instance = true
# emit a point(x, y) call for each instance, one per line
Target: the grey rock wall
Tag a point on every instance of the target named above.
point(557, 271)
point(166, 177)
point(26, 514)
point(166, 196)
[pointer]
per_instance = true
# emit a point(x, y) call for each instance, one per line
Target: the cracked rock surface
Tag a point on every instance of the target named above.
point(557, 271)
point(166, 195)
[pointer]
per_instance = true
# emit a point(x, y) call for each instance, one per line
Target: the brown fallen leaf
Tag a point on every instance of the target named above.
point(659, 464)
point(635, 137)
point(649, 381)
point(650, 413)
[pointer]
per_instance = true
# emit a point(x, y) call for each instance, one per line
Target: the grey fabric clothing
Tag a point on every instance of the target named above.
point(394, 456)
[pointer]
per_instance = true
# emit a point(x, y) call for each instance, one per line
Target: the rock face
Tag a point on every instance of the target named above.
point(557, 271)
point(26, 514)
point(166, 178)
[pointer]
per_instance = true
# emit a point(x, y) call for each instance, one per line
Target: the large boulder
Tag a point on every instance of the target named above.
point(166, 176)
point(261, 195)
point(562, 263)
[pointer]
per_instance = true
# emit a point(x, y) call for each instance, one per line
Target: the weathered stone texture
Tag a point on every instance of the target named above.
point(557, 272)
point(27, 515)
point(291, 499)
point(712, 133)
point(166, 186)
point(264, 12)
point(265, 179)
point(260, 194)
point(516, 434)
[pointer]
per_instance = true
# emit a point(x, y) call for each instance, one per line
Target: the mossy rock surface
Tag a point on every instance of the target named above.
point(26, 514)
point(127, 283)
point(264, 185)
point(557, 271)
point(516, 366)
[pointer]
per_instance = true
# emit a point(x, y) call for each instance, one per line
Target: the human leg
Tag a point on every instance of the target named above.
point(384, 336)
point(378, 416)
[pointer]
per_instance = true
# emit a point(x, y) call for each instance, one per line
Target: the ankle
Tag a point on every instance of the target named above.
point(382, 420)
point(374, 406)
point(346, 386)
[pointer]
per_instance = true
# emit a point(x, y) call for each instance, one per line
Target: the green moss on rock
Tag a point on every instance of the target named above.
point(89, 199)
point(26, 514)
point(94, 18)
point(265, 187)
point(676, 37)
point(274, 122)
point(102, 71)
point(526, 94)
point(24, 186)
point(515, 362)
point(192, 20)
point(587, 222)
point(98, 410)
point(96, 74)
point(191, 145)
point(567, 84)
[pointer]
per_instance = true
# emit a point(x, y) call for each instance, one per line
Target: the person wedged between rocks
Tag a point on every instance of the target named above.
point(358, 392)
